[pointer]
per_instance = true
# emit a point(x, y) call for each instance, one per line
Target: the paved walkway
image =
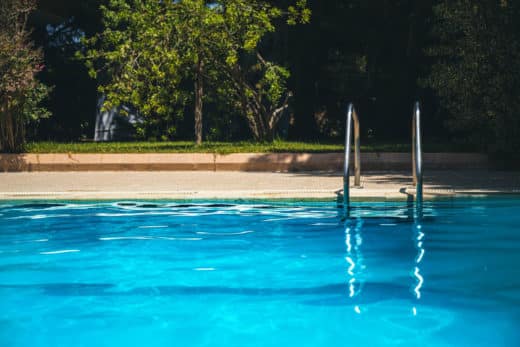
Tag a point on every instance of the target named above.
point(249, 185)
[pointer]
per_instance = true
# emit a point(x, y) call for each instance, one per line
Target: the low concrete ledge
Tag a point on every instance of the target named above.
point(107, 162)
point(293, 162)
point(284, 162)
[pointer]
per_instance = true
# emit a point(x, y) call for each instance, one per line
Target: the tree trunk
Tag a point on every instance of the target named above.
point(12, 129)
point(199, 92)
point(6, 129)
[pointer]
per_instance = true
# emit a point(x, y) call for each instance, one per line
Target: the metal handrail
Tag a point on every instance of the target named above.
point(351, 116)
point(417, 153)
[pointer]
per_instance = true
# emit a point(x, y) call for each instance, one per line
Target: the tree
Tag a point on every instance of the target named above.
point(20, 61)
point(258, 87)
point(150, 49)
point(137, 62)
point(476, 73)
point(250, 83)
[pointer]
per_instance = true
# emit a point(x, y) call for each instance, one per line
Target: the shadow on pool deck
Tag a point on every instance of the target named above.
point(437, 179)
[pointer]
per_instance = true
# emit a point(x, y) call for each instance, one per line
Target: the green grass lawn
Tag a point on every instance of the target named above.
point(222, 147)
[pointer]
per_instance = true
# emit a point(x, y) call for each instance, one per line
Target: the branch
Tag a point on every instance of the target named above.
point(262, 60)
point(277, 113)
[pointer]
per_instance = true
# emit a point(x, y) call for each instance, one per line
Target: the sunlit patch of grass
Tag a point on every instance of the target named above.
point(277, 146)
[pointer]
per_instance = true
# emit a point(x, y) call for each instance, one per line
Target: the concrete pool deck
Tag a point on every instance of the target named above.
point(98, 185)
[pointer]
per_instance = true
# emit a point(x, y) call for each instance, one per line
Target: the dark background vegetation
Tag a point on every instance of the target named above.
point(459, 58)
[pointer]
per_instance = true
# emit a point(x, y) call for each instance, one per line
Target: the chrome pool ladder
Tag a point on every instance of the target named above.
point(417, 154)
point(352, 117)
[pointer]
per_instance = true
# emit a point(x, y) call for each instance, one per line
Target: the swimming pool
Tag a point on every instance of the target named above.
point(260, 274)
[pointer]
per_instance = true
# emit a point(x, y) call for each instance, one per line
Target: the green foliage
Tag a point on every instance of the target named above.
point(249, 83)
point(369, 52)
point(477, 70)
point(139, 60)
point(273, 83)
point(31, 109)
point(150, 50)
point(299, 13)
point(20, 92)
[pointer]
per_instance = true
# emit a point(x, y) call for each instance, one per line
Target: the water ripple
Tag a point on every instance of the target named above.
point(61, 251)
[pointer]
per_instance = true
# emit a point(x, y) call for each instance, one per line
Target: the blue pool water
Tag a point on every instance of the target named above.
point(260, 274)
